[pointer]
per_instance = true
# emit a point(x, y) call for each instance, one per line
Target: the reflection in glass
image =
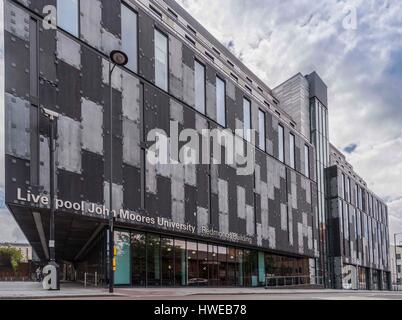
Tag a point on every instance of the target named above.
point(161, 60)
point(167, 252)
point(122, 244)
point(220, 102)
point(180, 262)
point(199, 87)
point(138, 252)
point(129, 36)
point(281, 143)
point(203, 264)
point(153, 260)
point(261, 130)
point(67, 16)
point(213, 265)
point(222, 260)
point(192, 263)
point(247, 119)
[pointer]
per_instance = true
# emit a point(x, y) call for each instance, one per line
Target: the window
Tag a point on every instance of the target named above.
point(398, 256)
point(307, 161)
point(292, 150)
point(349, 191)
point(343, 186)
point(199, 87)
point(220, 101)
point(67, 15)
point(129, 36)
point(161, 60)
point(261, 130)
point(281, 143)
point(247, 119)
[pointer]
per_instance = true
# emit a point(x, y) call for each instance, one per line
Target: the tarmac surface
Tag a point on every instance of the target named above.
point(29, 290)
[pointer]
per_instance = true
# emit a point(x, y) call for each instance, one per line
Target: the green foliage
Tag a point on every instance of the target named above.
point(12, 255)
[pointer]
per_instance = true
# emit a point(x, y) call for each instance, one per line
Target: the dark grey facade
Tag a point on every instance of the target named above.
point(271, 211)
point(353, 229)
point(359, 234)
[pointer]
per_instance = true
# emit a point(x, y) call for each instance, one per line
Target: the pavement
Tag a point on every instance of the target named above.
point(25, 291)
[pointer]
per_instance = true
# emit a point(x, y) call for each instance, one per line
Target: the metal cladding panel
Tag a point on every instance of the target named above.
point(202, 186)
point(17, 176)
point(117, 159)
point(214, 214)
point(157, 111)
point(69, 91)
point(231, 116)
point(190, 204)
point(132, 187)
point(117, 76)
point(92, 122)
point(131, 143)
point(92, 86)
point(16, 21)
point(117, 196)
point(188, 86)
point(109, 42)
point(117, 112)
point(111, 13)
point(16, 65)
point(44, 166)
point(48, 95)
point(159, 205)
point(68, 50)
point(92, 172)
point(131, 97)
point(188, 57)
point(69, 145)
point(210, 74)
point(17, 127)
point(38, 5)
point(70, 186)
point(91, 22)
point(146, 47)
point(175, 57)
point(47, 55)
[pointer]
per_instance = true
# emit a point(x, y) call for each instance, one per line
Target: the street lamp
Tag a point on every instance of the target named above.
point(117, 58)
point(396, 261)
point(52, 117)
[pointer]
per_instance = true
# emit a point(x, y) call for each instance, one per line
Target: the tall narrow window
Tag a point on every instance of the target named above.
point(307, 161)
point(161, 60)
point(247, 119)
point(281, 143)
point(261, 130)
point(292, 151)
point(349, 191)
point(343, 187)
point(67, 16)
point(129, 36)
point(220, 101)
point(199, 87)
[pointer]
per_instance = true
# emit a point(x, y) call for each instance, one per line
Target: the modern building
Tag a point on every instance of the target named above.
point(353, 222)
point(396, 265)
point(176, 224)
point(359, 234)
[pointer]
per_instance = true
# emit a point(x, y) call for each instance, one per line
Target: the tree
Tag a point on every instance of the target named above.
point(11, 256)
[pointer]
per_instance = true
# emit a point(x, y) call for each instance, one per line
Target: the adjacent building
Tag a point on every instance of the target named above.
point(396, 265)
point(200, 224)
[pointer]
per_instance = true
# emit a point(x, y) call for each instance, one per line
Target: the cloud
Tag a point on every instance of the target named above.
point(350, 148)
point(10, 231)
point(362, 68)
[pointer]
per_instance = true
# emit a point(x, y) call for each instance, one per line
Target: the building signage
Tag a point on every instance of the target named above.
point(92, 209)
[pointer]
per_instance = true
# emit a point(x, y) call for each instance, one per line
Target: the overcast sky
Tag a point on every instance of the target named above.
point(360, 61)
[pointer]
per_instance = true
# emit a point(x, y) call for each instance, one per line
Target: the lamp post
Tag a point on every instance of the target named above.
point(396, 261)
point(52, 117)
point(117, 58)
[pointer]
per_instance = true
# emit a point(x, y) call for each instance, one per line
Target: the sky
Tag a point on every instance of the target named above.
point(356, 48)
